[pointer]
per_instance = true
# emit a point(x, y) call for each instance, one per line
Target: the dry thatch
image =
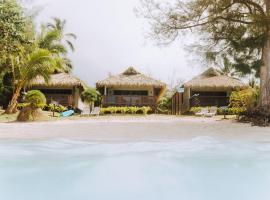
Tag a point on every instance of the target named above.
point(213, 79)
point(58, 80)
point(130, 78)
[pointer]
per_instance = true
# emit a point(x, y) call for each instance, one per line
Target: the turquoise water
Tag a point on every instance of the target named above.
point(199, 169)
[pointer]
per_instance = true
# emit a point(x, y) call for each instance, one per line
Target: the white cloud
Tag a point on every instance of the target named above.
point(111, 38)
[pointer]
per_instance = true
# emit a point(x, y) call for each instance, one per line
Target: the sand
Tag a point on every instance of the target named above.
point(149, 128)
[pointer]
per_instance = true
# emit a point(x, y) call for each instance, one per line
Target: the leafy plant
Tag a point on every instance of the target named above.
point(164, 105)
point(35, 99)
point(246, 99)
point(126, 110)
point(89, 96)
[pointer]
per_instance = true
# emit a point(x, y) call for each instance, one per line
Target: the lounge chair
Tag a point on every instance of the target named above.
point(212, 113)
point(85, 111)
point(203, 112)
point(96, 111)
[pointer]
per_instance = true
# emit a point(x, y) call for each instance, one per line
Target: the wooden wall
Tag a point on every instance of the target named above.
point(177, 103)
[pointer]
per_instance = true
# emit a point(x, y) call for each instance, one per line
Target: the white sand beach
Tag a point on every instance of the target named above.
point(140, 128)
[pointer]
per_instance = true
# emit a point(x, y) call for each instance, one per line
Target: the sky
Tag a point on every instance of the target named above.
point(111, 38)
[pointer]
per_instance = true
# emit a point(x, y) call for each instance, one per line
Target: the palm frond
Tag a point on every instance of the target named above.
point(71, 46)
point(71, 35)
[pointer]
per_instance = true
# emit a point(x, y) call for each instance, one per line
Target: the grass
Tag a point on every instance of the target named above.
point(7, 118)
point(47, 116)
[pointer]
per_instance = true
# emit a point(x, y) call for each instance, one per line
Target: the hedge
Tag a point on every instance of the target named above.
point(126, 110)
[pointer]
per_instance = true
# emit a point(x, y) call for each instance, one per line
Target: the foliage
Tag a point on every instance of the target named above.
point(35, 99)
point(126, 110)
point(233, 31)
point(55, 108)
point(164, 105)
point(6, 89)
point(229, 111)
point(14, 28)
point(26, 53)
point(48, 107)
point(60, 26)
point(246, 99)
point(90, 95)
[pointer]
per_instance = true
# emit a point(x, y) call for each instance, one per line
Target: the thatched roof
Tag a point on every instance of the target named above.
point(130, 78)
point(58, 80)
point(214, 79)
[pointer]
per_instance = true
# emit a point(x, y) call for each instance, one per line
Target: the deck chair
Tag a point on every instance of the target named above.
point(96, 111)
point(212, 112)
point(203, 112)
point(85, 111)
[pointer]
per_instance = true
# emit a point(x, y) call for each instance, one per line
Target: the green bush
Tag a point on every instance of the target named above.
point(146, 110)
point(35, 99)
point(126, 110)
point(49, 107)
point(194, 110)
point(228, 111)
point(164, 105)
point(245, 99)
point(55, 108)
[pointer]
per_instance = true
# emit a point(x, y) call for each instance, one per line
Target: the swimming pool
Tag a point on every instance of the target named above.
point(201, 168)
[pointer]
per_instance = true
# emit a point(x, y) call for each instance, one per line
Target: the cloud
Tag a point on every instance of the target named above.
point(111, 38)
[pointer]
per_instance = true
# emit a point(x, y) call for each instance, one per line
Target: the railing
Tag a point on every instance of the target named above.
point(62, 99)
point(209, 101)
point(128, 100)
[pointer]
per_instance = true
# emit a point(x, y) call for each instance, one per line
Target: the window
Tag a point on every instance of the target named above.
point(130, 92)
point(210, 94)
point(53, 91)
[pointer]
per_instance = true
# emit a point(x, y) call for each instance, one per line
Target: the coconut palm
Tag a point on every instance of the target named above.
point(27, 66)
point(60, 25)
point(50, 39)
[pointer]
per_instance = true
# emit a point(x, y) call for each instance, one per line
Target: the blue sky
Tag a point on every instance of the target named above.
point(111, 38)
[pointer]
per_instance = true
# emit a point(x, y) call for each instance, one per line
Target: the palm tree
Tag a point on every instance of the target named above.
point(51, 40)
point(60, 25)
point(90, 96)
point(27, 66)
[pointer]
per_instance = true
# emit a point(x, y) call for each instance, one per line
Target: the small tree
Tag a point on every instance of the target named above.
point(90, 95)
point(35, 100)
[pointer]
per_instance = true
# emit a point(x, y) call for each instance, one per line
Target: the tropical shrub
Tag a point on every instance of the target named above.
point(220, 111)
point(245, 99)
point(90, 96)
point(35, 99)
point(134, 110)
point(48, 107)
point(55, 108)
point(146, 110)
point(126, 110)
point(164, 105)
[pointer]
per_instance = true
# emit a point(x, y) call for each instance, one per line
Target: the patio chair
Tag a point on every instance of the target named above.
point(85, 111)
point(213, 112)
point(203, 112)
point(96, 111)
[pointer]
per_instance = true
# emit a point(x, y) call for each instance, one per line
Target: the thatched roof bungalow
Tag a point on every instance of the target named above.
point(211, 88)
point(130, 88)
point(63, 88)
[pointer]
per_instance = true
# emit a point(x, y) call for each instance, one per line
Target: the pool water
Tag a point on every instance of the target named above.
point(201, 168)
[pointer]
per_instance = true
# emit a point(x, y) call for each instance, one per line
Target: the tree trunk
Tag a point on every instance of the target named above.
point(12, 107)
point(265, 69)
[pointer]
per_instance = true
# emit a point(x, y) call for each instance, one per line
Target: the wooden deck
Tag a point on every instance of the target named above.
point(132, 100)
point(209, 101)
